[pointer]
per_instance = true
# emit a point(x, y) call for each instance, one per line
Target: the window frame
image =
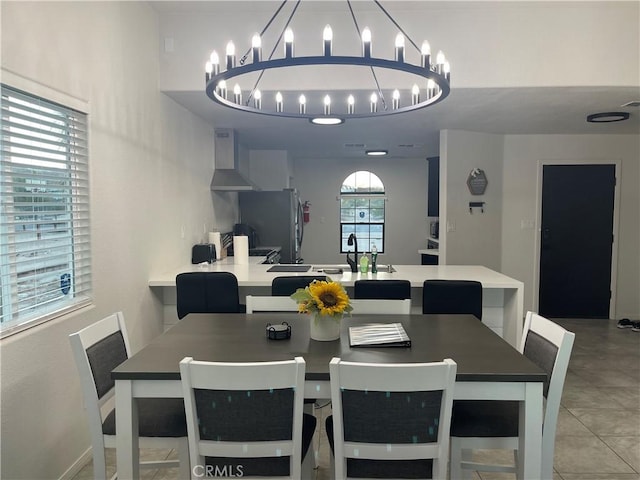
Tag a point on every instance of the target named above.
point(362, 194)
point(65, 248)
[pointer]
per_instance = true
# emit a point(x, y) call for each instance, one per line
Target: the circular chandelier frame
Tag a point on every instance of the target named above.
point(215, 94)
point(437, 89)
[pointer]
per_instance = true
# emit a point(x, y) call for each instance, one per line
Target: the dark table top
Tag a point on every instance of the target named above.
point(481, 355)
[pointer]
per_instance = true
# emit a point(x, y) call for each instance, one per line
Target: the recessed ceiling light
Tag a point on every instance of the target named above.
point(376, 153)
point(607, 117)
point(634, 103)
point(326, 120)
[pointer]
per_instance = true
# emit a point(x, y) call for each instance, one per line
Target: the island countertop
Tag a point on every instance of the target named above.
point(503, 296)
point(255, 274)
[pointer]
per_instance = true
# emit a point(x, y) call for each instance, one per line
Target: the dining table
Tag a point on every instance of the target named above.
point(489, 368)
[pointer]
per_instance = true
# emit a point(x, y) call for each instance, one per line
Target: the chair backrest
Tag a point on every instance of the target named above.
point(382, 289)
point(549, 346)
point(390, 419)
point(452, 296)
point(260, 303)
point(207, 292)
point(380, 307)
point(245, 418)
point(287, 285)
point(98, 349)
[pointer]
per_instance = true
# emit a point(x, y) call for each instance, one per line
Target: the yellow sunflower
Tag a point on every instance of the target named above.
point(330, 298)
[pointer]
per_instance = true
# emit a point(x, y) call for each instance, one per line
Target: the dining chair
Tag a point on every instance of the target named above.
point(390, 420)
point(382, 289)
point(246, 419)
point(98, 349)
point(262, 303)
point(287, 285)
point(492, 424)
point(207, 292)
point(452, 296)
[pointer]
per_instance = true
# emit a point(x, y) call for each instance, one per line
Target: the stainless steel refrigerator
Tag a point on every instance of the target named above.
point(277, 218)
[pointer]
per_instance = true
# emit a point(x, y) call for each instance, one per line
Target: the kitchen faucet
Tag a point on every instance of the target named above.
point(353, 263)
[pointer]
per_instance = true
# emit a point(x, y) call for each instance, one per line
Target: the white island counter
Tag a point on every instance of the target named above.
point(503, 296)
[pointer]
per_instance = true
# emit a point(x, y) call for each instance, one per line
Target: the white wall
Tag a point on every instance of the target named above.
point(406, 225)
point(522, 156)
point(148, 157)
point(470, 238)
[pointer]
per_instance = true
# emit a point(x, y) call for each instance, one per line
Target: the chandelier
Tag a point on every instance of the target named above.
point(429, 81)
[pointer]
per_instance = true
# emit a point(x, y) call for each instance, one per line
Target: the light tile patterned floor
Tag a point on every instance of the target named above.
point(598, 436)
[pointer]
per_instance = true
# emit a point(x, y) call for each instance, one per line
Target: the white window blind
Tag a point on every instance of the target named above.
point(45, 256)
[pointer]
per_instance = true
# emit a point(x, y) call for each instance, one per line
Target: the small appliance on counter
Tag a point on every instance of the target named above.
point(203, 252)
point(434, 229)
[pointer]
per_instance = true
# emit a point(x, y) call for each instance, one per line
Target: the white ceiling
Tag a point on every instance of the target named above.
point(554, 109)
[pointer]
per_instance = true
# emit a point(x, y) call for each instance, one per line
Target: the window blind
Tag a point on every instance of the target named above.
point(45, 255)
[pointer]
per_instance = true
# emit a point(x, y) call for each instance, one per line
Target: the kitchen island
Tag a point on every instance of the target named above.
point(503, 296)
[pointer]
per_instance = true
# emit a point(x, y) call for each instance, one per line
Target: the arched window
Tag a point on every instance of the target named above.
point(362, 211)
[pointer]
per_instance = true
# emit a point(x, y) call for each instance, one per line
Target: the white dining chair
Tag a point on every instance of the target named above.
point(246, 419)
point(391, 420)
point(265, 303)
point(494, 424)
point(97, 350)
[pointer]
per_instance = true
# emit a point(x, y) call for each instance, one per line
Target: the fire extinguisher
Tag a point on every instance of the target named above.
point(305, 211)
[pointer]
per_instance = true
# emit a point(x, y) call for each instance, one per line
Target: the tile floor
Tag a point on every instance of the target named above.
point(598, 435)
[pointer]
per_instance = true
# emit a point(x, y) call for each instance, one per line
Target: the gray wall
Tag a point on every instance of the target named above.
point(406, 225)
point(150, 166)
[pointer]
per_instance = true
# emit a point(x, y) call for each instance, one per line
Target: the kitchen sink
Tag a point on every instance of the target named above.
point(336, 269)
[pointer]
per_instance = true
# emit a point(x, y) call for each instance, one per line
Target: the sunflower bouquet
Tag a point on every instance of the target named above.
point(326, 298)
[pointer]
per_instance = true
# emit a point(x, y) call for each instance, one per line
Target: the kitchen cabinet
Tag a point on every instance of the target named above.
point(433, 187)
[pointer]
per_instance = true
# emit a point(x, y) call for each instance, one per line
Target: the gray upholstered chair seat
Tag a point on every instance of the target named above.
point(158, 417)
point(484, 418)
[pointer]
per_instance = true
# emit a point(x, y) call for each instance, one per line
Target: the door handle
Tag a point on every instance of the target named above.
point(546, 238)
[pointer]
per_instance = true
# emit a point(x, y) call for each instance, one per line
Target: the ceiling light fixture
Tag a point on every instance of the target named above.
point(376, 153)
point(428, 84)
point(607, 117)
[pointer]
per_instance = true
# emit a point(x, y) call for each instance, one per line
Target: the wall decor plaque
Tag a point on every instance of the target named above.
point(477, 181)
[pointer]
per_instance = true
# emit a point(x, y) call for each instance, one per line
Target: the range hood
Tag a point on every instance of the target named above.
point(226, 176)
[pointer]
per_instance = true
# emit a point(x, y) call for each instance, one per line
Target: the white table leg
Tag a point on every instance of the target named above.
point(530, 428)
point(127, 447)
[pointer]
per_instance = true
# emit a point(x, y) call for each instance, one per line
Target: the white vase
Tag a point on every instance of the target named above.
point(324, 328)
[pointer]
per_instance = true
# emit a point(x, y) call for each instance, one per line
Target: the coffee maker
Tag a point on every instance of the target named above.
point(247, 230)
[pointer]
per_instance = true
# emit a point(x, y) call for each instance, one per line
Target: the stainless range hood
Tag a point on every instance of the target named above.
point(226, 176)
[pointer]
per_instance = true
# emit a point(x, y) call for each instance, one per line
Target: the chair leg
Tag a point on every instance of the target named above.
point(99, 464)
point(455, 462)
point(184, 470)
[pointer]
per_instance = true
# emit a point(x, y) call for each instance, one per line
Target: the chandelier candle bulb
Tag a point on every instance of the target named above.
point(279, 102)
point(327, 37)
point(237, 94)
point(222, 88)
point(288, 43)
point(425, 53)
point(415, 95)
point(351, 105)
point(400, 48)
point(396, 99)
point(374, 103)
point(327, 105)
point(215, 62)
point(231, 56)
point(256, 48)
point(208, 69)
point(303, 104)
point(257, 99)
point(440, 62)
point(366, 42)
point(447, 71)
point(431, 88)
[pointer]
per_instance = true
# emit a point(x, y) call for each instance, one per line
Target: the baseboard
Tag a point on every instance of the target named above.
point(73, 470)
